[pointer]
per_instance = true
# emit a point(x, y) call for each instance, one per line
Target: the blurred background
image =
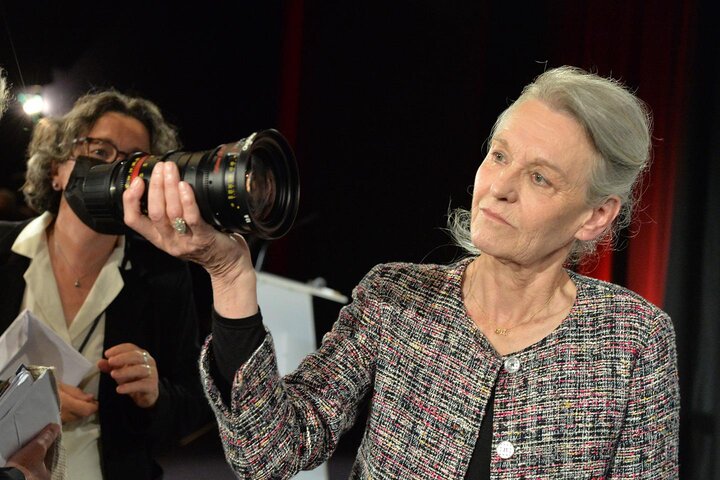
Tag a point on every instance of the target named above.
point(388, 106)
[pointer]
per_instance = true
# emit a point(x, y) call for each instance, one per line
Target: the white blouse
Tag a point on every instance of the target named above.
point(80, 439)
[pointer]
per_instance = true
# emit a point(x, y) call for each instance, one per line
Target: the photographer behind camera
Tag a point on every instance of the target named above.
point(112, 296)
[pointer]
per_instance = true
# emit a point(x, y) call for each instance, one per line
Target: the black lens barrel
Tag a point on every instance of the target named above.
point(227, 181)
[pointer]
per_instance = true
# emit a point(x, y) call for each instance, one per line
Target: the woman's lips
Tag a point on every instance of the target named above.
point(494, 216)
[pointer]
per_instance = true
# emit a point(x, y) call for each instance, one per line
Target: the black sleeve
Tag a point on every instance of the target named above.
point(10, 473)
point(233, 342)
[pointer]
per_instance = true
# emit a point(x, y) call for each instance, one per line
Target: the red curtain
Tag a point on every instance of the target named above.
point(642, 44)
point(645, 46)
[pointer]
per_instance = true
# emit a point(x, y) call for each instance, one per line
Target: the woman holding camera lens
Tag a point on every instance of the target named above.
point(124, 305)
point(502, 365)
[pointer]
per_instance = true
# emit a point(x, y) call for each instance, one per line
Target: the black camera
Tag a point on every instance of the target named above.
point(249, 187)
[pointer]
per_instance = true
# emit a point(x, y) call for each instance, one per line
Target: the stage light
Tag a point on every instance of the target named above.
point(33, 104)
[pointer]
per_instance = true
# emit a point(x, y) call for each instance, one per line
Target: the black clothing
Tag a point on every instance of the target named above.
point(10, 473)
point(155, 310)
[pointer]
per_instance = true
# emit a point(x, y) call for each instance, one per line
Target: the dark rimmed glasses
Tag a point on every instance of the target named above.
point(100, 149)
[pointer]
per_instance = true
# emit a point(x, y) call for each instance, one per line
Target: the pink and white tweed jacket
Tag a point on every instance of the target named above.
point(598, 398)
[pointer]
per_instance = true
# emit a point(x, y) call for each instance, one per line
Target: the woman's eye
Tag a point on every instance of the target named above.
point(498, 156)
point(538, 179)
point(101, 153)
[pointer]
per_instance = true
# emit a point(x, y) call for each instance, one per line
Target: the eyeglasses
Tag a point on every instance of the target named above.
point(100, 149)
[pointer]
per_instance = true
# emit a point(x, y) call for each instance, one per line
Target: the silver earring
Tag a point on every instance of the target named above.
point(56, 186)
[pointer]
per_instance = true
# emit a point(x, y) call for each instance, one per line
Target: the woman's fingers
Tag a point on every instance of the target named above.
point(75, 404)
point(155, 226)
point(132, 216)
point(47, 436)
point(171, 178)
point(127, 354)
point(135, 371)
point(156, 195)
point(157, 201)
point(131, 373)
point(144, 392)
point(191, 210)
point(130, 368)
point(170, 204)
point(75, 392)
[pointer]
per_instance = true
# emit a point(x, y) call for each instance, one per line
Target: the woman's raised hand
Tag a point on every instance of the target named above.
point(171, 206)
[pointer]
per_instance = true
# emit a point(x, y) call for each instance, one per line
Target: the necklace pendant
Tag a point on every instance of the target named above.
point(77, 283)
point(501, 331)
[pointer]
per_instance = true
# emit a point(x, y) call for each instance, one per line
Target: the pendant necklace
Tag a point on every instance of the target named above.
point(78, 276)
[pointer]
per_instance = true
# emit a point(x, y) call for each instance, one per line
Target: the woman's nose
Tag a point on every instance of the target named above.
point(504, 185)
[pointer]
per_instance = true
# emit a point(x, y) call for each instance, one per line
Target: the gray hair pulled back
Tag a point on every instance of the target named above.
point(52, 140)
point(619, 126)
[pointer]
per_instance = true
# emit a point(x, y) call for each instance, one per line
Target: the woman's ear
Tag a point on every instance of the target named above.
point(59, 174)
point(600, 219)
point(54, 176)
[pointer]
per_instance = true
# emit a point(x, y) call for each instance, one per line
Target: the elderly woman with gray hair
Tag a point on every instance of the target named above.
point(502, 365)
point(113, 297)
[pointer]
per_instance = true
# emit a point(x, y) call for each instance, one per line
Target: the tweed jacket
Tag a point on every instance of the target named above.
point(156, 311)
point(597, 398)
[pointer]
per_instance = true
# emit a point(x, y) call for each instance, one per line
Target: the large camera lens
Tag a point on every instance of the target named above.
point(249, 187)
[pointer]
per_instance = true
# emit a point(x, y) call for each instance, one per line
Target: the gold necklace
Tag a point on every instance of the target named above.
point(78, 276)
point(504, 332)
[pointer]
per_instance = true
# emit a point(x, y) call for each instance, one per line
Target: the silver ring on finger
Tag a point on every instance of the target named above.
point(145, 357)
point(149, 370)
point(180, 225)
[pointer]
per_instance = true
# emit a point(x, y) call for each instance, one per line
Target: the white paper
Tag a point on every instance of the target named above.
point(26, 406)
point(28, 341)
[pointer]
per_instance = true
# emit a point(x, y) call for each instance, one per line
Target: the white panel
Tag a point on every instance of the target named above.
point(287, 311)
